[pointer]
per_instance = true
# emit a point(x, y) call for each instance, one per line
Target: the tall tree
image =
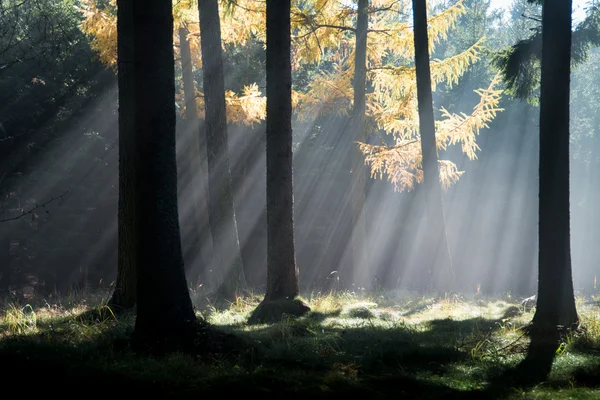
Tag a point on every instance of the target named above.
point(248, 104)
point(282, 271)
point(223, 225)
point(440, 264)
point(281, 257)
point(124, 294)
point(520, 63)
point(358, 241)
point(323, 33)
point(556, 311)
point(194, 150)
point(164, 307)
point(556, 301)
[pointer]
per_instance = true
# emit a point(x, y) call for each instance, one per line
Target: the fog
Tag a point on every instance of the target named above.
point(490, 213)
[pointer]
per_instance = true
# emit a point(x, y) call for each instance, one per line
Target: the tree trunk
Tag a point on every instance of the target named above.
point(440, 265)
point(358, 239)
point(282, 272)
point(165, 316)
point(5, 270)
point(124, 295)
point(227, 256)
point(195, 156)
point(556, 302)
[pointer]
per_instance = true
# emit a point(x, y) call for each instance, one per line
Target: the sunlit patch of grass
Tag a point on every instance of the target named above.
point(589, 337)
point(229, 317)
point(71, 320)
point(546, 393)
point(332, 301)
point(18, 320)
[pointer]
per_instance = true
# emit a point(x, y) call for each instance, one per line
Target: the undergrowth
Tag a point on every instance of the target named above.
point(348, 343)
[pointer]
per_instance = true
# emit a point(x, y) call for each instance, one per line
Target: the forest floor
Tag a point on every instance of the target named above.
point(348, 346)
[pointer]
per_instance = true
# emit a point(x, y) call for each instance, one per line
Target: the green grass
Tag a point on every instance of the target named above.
point(348, 345)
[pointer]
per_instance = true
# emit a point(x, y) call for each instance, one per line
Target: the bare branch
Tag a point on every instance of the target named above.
point(37, 207)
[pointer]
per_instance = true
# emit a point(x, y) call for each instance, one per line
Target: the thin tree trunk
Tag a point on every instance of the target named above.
point(194, 158)
point(282, 272)
point(5, 273)
point(440, 266)
point(164, 308)
point(223, 224)
point(556, 301)
point(358, 239)
point(124, 295)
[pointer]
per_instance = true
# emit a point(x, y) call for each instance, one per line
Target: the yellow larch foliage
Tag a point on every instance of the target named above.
point(329, 93)
point(100, 25)
point(243, 20)
point(323, 30)
point(329, 35)
point(394, 104)
point(248, 107)
point(401, 163)
point(462, 128)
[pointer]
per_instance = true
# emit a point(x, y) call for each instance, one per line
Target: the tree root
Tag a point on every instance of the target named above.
point(269, 311)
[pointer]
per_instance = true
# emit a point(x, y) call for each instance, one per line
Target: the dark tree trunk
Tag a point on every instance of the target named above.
point(358, 239)
point(195, 156)
point(5, 272)
point(164, 308)
point(556, 301)
point(124, 295)
point(227, 258)
point(282, 272)
point(440, 264)
point(187, 77)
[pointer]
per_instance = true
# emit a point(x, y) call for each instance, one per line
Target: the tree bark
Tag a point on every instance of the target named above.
point(556, 301)
point(5, 272)
point(164, 308)
point(124, 295)
point(195, 154)
point(440, 265)
point(358, 239)
point(282, 272)
point(226, 245)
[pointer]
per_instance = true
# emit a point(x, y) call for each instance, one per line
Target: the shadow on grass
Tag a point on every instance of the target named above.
point(537, 365)
point(295, 357)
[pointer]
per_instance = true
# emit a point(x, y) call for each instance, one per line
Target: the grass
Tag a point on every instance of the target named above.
point(348, 345)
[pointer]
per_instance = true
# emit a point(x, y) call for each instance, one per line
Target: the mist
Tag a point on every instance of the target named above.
point(355, 279)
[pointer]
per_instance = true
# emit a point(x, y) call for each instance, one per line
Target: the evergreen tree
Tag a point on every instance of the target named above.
point(165, 316)
point(193, 156)
point(282, 271)
point(223, 225)
point(125, 288)
point(556, 300)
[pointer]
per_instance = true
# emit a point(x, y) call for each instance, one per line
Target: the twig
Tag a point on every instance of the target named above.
point(23, 214)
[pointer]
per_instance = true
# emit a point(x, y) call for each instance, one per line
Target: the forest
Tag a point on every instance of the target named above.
point(300, 198)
